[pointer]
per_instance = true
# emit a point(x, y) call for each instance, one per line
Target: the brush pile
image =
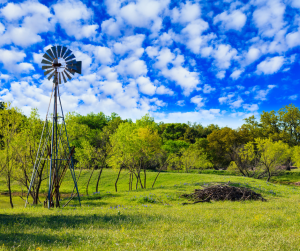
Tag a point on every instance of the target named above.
point(222, 192)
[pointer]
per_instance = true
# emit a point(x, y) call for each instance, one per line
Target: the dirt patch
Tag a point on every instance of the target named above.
point(297, 183)
point(222, 192)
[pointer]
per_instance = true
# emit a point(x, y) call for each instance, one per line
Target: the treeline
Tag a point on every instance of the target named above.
point(256, 149)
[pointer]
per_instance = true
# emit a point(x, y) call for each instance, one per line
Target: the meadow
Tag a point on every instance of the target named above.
point(155, 219)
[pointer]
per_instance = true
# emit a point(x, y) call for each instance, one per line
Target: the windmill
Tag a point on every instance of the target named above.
point(59, 63)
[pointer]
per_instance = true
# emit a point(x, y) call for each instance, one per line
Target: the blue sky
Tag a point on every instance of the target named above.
point(199, 61)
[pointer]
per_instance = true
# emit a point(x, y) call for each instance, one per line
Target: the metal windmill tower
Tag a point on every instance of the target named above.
point(54, 148)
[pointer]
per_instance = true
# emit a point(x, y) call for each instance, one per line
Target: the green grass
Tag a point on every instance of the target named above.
point(155, 219)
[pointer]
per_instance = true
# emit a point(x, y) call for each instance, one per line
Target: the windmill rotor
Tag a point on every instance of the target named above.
point(58, 62)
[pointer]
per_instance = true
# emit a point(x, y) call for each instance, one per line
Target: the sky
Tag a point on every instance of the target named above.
point(199, 61)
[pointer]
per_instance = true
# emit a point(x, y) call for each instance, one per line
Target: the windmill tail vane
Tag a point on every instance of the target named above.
point(54, 149)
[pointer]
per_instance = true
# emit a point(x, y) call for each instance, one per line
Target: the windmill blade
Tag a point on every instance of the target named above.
point(51, 75)
point(47, 72)
point(59, 80)
point(51, 54)
point(70, 57)
point(63, 51)
point(70, 70)
point(62, 73)
point(54, 51)
point(58, 50)
point(69, 77)
point(71, 62)
point(47, 57)
point(47, 67)
point(67, 54)
point(78, 67)
point(46, 62)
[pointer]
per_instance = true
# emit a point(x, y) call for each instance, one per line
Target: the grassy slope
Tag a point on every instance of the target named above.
point(128, 221)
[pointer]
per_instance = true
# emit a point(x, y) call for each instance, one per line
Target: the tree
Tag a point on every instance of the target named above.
point(221, 143)
point(269, 154)
point(132, 147)
point(174, 131)
point(10, 123)
point(174, 146)
point(290, 122)
point(27, 144)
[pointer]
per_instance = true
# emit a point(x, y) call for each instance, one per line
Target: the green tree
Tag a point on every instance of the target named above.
point(270, 154)
point(174, 131)
point(27, 146)
point(10, 123)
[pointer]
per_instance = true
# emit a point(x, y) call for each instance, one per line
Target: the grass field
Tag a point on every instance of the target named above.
point(155, 219)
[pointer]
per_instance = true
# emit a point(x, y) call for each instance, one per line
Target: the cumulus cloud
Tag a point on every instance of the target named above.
point(75, 18)
point(208, 89)
point(223, 55)
point(11, 61)
point(146, 86)
point(262, 94)
point(236, 74)
point(186, 13)
point(180, 103)
point(231, 21)
point(251, 108)
point(164, 90)
point(268, 17)
point(132, 66)
point(131, 44)
point(24, 22)
point(270, 65)
point(198, 100)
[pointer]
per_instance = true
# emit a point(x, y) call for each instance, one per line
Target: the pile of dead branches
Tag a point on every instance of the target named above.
point(222, 192)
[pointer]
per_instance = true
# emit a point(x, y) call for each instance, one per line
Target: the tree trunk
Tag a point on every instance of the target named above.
point(139, 178)
point(87, 185)
point(116, 183)
point(156, 178)
point(145, 177)
point(97, 185)
point(9, 191)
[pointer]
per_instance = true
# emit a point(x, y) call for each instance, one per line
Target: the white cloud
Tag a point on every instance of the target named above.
point(11, 61)
point(231, 21)
point(221, 74)
point(104, 55)
point(132, 66)
point(237, 103)
point(293, 39)
point(187, 13)
point(164, 90)
point(223, 56)
point(268, 17)
point(270, 65)
point(251, 108)
point(110, 27)
point(143, 14)
point(152, 51)
point(146, 86)
point(24, 22)
point(236, 74)
point(262, 94)
point(208, 89)
point(252, 55)
point(198, 100)
point(293, 97)
point(180, 103)
point(129, 44)
point(75, 18)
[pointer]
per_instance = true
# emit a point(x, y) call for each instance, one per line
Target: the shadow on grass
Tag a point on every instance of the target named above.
point(15, 230)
